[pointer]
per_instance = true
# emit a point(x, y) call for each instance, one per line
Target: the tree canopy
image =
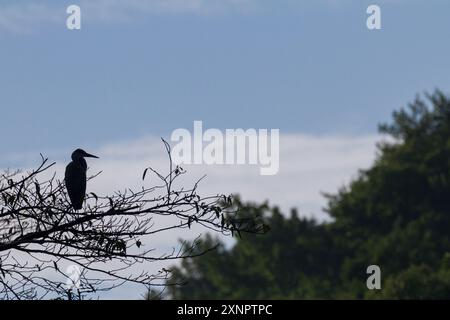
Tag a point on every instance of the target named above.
point(395, 215)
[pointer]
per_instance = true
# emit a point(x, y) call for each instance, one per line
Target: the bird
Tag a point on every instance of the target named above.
point(75, 177)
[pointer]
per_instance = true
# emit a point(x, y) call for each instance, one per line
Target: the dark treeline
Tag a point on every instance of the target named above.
point(395, 214)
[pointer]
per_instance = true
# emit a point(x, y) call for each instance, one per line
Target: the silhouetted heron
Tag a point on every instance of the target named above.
point(76, 177)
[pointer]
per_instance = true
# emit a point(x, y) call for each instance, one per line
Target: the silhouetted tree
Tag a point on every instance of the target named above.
point(40, 235)
point(395, 214)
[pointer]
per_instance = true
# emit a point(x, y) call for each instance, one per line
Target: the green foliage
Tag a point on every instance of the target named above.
point(395, 215)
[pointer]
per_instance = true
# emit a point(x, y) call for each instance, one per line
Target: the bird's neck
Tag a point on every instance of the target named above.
point(81, 162)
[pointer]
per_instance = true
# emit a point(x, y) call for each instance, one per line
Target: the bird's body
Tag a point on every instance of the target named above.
point(76, 178)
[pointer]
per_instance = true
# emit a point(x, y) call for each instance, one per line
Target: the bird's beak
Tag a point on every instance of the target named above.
point(87, 155)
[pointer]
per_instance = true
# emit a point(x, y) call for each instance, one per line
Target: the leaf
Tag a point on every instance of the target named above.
point(145, 173)
point(95, 196)
point(196, 207)
point(38, 190)
point(234, 228)
point(217, 210)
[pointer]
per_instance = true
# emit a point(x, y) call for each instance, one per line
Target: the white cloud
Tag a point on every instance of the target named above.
point(309, 165)
point(112, 7)
point(24, 16)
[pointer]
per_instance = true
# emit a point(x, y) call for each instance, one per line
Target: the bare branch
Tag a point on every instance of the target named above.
point(40, 233)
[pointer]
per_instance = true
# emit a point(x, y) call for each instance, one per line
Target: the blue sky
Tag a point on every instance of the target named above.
point(301, 66)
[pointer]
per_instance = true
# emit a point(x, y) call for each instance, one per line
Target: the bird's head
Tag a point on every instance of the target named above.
point(79, 154)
